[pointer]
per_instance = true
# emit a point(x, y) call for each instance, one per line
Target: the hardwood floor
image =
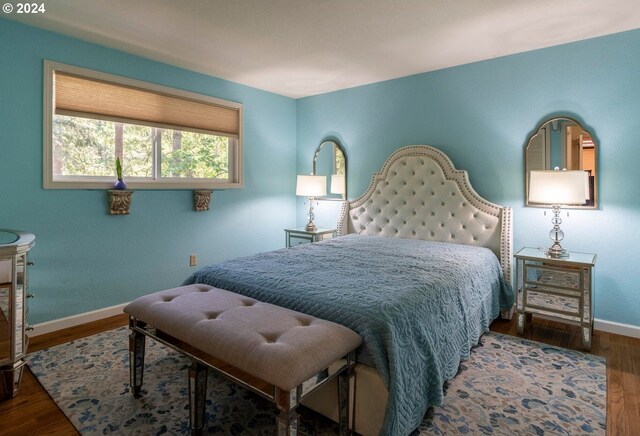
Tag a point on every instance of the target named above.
point(33, 412)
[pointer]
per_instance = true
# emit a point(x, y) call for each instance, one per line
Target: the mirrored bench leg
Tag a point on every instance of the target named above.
point(136, 360)
point(288, 420)
point(197, 397)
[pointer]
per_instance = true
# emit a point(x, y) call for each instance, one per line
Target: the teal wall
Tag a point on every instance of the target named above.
point(86, 259)
point(481, 115)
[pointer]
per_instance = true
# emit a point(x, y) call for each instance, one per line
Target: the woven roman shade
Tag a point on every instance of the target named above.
point(91, 98)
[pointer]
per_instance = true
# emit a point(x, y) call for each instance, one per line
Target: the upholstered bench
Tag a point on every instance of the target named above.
point(278, 353)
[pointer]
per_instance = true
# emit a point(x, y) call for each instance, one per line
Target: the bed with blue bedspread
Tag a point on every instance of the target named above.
point(419, 305)
point(421, 267)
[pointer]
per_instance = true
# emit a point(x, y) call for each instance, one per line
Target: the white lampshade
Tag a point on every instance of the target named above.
point(337, 184)
point(311, 186)
point(558, 187)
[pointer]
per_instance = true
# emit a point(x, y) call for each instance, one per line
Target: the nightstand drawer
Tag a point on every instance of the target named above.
point(550, 289)
point(298, 240)
point(559, 305)
point(301, 235)
point(554, 277)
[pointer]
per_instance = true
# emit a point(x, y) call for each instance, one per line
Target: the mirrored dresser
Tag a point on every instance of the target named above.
point(14, 246)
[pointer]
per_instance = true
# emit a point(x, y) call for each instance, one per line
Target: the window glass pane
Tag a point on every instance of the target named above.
point(82, 147)
point(137, 150)
point(88, 147)
point(194, 155)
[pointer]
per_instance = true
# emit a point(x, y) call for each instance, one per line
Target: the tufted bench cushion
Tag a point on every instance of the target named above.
point(278, 345)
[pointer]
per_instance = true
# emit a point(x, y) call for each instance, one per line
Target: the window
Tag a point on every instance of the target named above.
point(164, 137)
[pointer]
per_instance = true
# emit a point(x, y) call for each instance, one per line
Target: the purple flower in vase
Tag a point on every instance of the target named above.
point(120, 184)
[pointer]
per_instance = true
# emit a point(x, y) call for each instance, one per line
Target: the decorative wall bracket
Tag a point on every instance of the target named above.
point(201, 200)
point(119, 201)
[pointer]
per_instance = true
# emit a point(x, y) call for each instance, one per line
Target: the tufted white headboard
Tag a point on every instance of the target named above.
point(419, 194)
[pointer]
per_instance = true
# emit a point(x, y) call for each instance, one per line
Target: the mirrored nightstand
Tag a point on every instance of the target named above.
point(300, 235)
point(561, 288)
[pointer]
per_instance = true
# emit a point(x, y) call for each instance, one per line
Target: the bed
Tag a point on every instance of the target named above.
point(420, 267)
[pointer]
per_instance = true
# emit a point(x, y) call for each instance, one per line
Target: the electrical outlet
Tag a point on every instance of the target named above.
point(193, 260)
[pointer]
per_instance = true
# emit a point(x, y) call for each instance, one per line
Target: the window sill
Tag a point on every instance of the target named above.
point(187, 186)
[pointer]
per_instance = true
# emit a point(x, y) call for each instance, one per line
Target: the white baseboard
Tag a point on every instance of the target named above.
point(75, 320)
point(617, 328)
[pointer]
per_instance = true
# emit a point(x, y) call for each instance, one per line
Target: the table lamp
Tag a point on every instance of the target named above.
point(311, 186)
point(558, 188)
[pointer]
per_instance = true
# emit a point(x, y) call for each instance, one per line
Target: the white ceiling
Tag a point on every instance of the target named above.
point(306, 47)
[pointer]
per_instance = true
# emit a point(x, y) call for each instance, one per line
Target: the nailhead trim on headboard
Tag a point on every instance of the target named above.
point(420, 194)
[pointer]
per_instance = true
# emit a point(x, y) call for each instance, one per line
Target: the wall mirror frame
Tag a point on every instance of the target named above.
point(330, 160)
point(564, 143)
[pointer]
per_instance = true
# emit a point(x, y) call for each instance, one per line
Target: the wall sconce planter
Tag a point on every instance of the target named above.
point(119, 201)
point(201, 200)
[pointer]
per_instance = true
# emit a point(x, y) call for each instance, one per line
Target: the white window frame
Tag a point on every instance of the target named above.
point(97, 182)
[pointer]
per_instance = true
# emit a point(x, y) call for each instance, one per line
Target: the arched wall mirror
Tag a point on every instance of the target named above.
point(330, 160)
point(563, 143)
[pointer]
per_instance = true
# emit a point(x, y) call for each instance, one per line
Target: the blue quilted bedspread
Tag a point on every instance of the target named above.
point(419, 306)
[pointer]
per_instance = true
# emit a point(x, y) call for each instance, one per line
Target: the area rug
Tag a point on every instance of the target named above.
point(508, 386)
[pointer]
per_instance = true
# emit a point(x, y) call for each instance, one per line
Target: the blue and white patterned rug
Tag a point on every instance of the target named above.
point(509, 386)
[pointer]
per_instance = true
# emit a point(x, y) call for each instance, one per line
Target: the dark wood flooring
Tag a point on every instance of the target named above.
point(33, 412)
